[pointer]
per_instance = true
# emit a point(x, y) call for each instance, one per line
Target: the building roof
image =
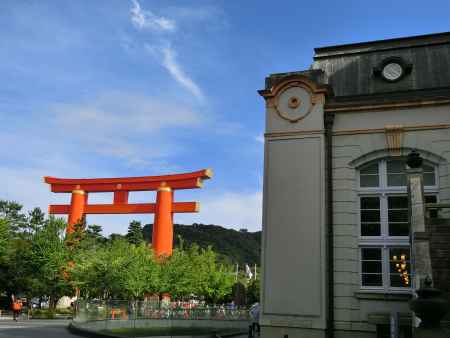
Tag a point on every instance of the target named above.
point(354, 69)
point(382, 45)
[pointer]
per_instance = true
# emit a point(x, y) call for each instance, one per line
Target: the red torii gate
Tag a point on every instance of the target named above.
point(164, 208)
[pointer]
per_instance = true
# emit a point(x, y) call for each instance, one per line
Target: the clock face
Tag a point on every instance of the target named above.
point(392, 71)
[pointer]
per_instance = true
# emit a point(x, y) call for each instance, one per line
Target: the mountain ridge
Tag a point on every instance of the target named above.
point(238, 246)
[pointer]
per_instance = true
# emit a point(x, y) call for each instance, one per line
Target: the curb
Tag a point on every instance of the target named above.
point(89, 333)
point(94, 334)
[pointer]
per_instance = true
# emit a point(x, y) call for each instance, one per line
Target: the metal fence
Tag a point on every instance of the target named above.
point(96, 310)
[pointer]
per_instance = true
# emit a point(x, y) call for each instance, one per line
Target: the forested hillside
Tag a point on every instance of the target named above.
point(239, 246)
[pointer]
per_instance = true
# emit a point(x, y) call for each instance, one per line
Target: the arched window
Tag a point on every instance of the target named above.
point(384, 222)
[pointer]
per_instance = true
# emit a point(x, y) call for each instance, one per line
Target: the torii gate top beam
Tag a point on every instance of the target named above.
point(164, 208)
point(143, 183)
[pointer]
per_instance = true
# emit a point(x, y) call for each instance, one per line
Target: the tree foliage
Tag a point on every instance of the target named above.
point(134, 234)
point(38, 259)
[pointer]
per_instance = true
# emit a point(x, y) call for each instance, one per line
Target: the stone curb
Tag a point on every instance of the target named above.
point(88, 333)
point(94, 334)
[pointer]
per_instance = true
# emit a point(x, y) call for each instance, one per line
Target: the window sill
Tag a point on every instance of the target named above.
point(373, 295)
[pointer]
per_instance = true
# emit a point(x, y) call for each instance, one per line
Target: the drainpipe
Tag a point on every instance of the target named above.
point(329, 120)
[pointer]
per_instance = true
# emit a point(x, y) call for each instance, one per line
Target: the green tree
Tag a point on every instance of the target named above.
point(142, 273)
point(97, 272)
point(253, 291)
point(5, 235)
point(36, 219)
point(49, 258)
point(12, 213)
point(134, 234)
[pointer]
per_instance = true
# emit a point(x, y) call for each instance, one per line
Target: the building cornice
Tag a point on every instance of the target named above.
point(383, 130)
point(387, 101)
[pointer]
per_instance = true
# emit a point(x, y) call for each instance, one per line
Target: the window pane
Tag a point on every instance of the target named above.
point(429, 179)
point(367, 181)
point(399, 267)
point(371, 254)
point(399, 281)
point(398, 202)
point(396, 166)
point(369, 176)
point(431, 199)
point(396, 180)
point(369, 169)
point(370, 229)
point(370, 203)
point(372, 280)
point(371, 267)
point(433, 213)
point(428, 168)
point(396, 173)
point(398, 229)
point(398, 216)
point(370, 216)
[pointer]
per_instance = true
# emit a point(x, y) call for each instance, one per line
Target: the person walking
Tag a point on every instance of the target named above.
point(16, 307)
point(254, 314)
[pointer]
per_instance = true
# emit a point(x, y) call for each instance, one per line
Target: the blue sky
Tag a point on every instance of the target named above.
point(142, 87)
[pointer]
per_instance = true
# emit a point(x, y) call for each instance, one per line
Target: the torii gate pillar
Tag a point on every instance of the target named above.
point(77, 204)
point(162, 236)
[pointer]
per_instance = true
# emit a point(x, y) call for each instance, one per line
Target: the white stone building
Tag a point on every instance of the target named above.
point(335, 220)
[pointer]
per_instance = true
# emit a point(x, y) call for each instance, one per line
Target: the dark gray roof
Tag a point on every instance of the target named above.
point(349, 69)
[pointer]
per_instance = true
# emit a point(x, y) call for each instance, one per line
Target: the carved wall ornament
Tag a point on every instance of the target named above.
point(294, 97)
point(294, 102)
point(394, 138)
point(290, 107)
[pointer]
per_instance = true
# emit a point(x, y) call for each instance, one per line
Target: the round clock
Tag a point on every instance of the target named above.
point(392, 71)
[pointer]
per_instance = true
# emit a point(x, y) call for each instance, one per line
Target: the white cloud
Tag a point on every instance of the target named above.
point(163, 51)
point(119, 125)
point(145, 19)
point(169, 61)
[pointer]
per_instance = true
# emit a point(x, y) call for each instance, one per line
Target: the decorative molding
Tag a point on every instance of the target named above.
point(284, 115)
point(272, 95)
point(294, 102)
point(382, 153)
point(293, 133)
point(394, 138)
point(385, 106)
point(383, 130)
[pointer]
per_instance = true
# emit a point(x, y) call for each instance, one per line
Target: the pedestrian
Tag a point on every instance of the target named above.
point(254, 314)
point(16, 307)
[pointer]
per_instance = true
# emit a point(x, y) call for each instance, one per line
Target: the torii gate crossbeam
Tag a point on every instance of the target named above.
point(164, 208)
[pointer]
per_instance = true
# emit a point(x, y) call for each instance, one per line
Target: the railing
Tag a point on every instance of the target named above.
point(92, 310)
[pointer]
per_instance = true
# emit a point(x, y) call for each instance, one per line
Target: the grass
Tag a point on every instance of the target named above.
point(168, 331)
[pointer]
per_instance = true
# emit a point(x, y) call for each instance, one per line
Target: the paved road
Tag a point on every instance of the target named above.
point(35, 329)
point(40, 329)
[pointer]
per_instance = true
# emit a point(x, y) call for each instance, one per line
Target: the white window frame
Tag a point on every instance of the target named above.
point(384, 241)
